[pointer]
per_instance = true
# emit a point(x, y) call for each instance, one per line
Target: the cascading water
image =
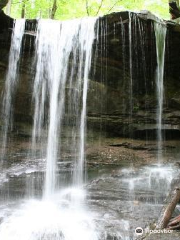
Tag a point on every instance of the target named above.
point(53, 74)
point(130, 68)
point(123, 37)
point(63, 60)
point(11, 80)
point(160, 33)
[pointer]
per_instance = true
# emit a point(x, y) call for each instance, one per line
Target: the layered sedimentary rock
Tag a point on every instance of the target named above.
point(122, 91)
point(126, 75)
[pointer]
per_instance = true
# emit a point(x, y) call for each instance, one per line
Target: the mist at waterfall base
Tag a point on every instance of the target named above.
point(64, 209)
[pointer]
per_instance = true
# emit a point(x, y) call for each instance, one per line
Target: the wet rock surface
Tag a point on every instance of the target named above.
point(171, 236)
point(125, 189)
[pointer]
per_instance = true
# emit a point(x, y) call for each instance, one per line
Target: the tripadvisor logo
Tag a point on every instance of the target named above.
point(139, 231)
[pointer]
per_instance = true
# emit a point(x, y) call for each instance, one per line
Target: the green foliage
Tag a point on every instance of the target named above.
point(68, 9)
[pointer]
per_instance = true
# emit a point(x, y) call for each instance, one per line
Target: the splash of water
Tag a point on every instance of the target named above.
point(160, 33)
point(46, 220)
point(11, 80)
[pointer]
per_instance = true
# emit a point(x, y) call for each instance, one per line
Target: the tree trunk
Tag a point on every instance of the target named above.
point(23, 10)
point(87, 7)
point(169, 209)
point(99, 8)
point(54, 8)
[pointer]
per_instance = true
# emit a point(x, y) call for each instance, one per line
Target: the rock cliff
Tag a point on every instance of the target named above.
point(122, 90)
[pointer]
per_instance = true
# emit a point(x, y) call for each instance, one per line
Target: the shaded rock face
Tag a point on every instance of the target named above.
point(23, 96)
point(126, 73)
point(127, 70)
point(122, 89)
point(5, 22)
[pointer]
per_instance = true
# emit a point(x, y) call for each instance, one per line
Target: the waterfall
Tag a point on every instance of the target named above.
point(160, 34)
point(11, 80)
point(123, 37)
point(130, 69)
point(63, 62)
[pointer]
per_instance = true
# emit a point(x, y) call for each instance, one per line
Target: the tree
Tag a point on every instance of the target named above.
point(23, 9)
point(63, 9)
point(54, 8)
point(93, 8)
point(88, 8)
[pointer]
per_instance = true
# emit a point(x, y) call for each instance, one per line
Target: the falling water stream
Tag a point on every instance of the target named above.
point(11, 80)
point(130, 68)
point(160, 33)
point(53, 75)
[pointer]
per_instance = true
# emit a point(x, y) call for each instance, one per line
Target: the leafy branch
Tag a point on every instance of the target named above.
point(99, 8)
point(113, 6)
